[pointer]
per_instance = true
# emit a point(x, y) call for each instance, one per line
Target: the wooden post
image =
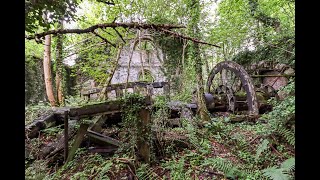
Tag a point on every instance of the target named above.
point(166, 90)
point(144, 130)
point(66, 137)
point(149, 90)
point(78, 139)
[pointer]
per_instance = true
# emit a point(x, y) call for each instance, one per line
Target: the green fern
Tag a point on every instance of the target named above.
point(276, 173)
point(287, 134)
point(288, 165)
point(282, 173)
point(218, 163)
point(145, 172)
point(228, 168)
point(262, 147)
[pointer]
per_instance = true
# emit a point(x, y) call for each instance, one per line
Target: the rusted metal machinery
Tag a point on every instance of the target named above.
point(230, 87)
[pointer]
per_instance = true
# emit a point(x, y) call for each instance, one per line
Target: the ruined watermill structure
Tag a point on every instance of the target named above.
point(230, 87)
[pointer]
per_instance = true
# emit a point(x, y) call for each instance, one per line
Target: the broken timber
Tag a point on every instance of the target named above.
point(33, 129)
point(79, 137)
point(102, 138)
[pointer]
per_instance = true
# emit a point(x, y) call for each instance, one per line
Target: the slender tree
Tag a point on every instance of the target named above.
point(194, 55)
point(59, 64)
point(47, 70)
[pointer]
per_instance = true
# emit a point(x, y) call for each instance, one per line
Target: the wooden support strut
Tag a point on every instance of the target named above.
point(144, 125)
point(78, 139)
point(66, 137)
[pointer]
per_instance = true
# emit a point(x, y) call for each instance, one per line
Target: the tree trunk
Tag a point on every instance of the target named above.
point(59, 66)
point(47, 70)
point(194, 31)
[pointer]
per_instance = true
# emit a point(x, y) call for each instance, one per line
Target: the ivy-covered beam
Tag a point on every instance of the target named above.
point(102, 26)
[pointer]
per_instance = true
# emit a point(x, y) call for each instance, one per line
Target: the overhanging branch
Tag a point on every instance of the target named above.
point(102, 26)
point(159, 27)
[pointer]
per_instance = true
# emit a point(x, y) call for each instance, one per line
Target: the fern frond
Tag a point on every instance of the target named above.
point(219, 163)
point(262, 147)
point(287, 134)
point(145, 172)
point(288, 165)
point(275, 173)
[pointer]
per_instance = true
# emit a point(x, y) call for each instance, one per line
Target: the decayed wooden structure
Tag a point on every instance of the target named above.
point(229, 88)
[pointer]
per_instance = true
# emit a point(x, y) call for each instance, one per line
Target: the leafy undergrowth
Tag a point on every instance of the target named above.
point(33, 112)
point(222, 149)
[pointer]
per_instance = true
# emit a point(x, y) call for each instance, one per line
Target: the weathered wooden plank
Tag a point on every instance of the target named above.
point(95, 109)
point(97, 126)
point(102, 138)
point(101, 108)
point(79, 137)
point(143, 133)
point(66, 128)
point(32, 130)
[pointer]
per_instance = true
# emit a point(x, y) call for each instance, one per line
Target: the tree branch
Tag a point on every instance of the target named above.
point(119, 35)
point(97, 26)
point(106, 2)
point(106, 40)
point(186, 37)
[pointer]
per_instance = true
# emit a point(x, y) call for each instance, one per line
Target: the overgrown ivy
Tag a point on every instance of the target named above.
point(277, 51)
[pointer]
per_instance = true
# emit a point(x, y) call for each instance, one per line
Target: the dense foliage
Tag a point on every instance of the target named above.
point(248, 31)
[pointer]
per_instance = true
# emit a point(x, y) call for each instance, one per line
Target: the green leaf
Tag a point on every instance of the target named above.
point(275, 173)
point(288, 164)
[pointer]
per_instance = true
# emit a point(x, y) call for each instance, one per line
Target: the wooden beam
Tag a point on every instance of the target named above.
point(32, 130)
point(78, 139)
point(66, 137)
point(95, 109)
point(105, 139)
point(143, 133)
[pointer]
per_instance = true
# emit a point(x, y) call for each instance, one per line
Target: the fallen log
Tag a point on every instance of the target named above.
point(32, 130)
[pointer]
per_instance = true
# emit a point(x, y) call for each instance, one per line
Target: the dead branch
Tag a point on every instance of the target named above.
point(119, 35)
point(102, 26)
